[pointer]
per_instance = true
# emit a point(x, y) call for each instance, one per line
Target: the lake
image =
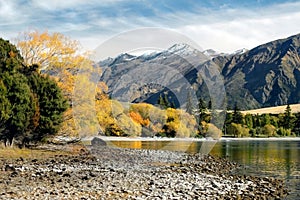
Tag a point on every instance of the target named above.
point(279, 158)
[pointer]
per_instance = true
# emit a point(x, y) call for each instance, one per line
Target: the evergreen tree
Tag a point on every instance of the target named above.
point(31, 103)
point(20, 96)
point(288, 118)
point(228, 121)
point(209, 105)
point(189, 103)
point(18, 92)
point(265, 119)
point(202, 109)
point(296, 129)
point(249, 121)
point(50, 105)
point(237, 116)
point(257, 121)
point(163, 102)
point(5, 109)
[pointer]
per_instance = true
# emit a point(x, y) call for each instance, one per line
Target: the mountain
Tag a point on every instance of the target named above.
point(146, 77)
point(267, 75)
point(212, 53)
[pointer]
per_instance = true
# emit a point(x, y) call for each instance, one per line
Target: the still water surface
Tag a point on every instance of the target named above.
point(279, 158)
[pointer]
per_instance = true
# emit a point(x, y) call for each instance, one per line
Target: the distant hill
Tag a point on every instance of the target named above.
point(268, 75)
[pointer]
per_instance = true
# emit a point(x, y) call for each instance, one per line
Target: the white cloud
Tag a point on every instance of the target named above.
point(9, 13)
point(224, 30)
point(92, 22)
point(6, 9)
point(245, 29)
point(57, 4)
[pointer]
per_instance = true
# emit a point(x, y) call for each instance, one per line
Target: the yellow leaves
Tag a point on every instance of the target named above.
point(213, 131)
point(128, 126)
point(12, 54)
point(138, 119)
point(50, 50)
point(179, 123)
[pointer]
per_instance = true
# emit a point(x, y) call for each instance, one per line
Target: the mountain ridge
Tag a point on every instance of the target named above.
point(267, 75)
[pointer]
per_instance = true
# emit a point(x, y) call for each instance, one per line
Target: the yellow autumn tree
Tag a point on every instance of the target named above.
point(178, 124)
point(149, 117)
point(62, 58)
point(56, 54)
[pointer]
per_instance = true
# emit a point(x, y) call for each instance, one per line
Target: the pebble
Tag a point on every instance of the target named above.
point(115, 173)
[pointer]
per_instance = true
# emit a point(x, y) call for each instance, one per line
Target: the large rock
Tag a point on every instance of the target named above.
point(97, 142)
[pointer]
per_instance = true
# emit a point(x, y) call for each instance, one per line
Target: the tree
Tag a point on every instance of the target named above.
point(128, 126)
point(228, 120)
point(237, 130)
point(269, 130)
point(265, 119)
point(237, 116)
point(257, 121)
point(61, 58)
point(56, 55)
point(5, 106)
point(189, 103)
point(15, 92)
point(288, 118)
point(30, 102)
point(163, 101)
point(203, 116)
point(209, 106)
point(47, 50)
point(296, 129)
point(50, 105)
point(249, 121)
point(213, 131)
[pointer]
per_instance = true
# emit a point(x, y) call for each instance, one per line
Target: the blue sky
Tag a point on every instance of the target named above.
point(224, 25)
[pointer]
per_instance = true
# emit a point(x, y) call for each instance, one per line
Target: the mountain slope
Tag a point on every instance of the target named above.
point(146, 77)
point(268, 74)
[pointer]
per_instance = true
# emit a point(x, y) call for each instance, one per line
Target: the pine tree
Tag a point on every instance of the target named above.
point(5, 109)
point(51, 105)
point(288, 118)
point(31, 103)
point(296, 126)
point(189, 103)
point(237, 116)
point(20, 96)
point(163, 102)
point(202, 110)
point(209, 105)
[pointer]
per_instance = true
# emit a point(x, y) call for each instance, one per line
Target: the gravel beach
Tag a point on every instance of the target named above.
point(117, 173)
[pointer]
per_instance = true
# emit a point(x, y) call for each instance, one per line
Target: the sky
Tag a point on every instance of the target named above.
point(224, 25)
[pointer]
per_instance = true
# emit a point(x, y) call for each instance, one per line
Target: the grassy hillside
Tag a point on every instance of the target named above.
point(274, 110)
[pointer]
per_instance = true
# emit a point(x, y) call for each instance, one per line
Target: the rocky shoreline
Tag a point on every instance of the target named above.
point(115, 173)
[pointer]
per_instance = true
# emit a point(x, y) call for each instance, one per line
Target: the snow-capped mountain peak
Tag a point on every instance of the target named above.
point(210, 53)
point(240, 51)
point(182, 48)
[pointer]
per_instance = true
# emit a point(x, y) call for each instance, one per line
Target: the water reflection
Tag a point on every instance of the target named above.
point(261, 157)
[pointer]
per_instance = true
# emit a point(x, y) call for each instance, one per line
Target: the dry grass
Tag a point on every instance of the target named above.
point(14, 152)
point(273, 110)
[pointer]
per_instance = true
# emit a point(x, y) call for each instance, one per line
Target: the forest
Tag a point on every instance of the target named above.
point(38, 100)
